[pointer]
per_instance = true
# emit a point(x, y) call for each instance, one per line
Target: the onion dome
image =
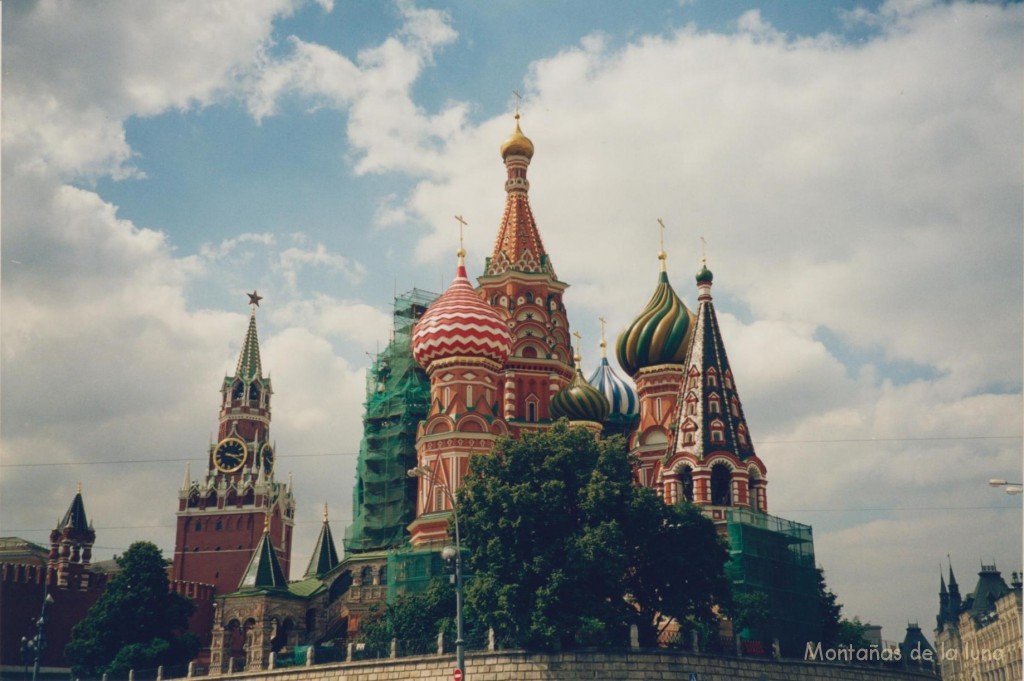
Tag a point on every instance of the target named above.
point(704, 276)
point(460, 324)
point(517, 144)
point(659, 334)
point(621, 396)
point(580, 401)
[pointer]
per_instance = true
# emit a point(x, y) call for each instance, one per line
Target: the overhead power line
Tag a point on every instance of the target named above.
point(122, 462)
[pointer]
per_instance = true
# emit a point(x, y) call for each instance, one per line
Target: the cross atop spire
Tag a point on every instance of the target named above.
point(519, 100)
point(462, 251)
point(661, 250)
point(604, 343)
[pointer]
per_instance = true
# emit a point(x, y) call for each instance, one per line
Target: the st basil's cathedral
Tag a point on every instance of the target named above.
point(463, 369)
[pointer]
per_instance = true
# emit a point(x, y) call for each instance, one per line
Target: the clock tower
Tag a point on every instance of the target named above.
point(221, 516)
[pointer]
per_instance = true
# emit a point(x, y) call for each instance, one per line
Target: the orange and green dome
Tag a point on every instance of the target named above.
point(659, 334)
point(580, 401)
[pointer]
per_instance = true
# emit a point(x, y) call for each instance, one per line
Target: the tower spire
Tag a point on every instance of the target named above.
point(249, 367)
point(325, 556)
point(662, 256)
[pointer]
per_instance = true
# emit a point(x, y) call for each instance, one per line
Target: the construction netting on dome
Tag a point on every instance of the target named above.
point(775, 557)
point(397, 398)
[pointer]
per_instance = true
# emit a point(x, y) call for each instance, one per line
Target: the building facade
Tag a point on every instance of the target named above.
point(978, 636)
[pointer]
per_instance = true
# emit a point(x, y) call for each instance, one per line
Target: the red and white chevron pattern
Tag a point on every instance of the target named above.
point(459, 324)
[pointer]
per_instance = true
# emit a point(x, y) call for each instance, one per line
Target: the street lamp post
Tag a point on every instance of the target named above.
point(32, 649)
point(454, 554)
point(1010, 487)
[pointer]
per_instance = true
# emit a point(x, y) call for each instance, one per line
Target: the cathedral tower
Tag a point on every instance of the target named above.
point(652, 349)
point(462, 343)
point(711, 460)
point(519, 282)
point(71, 547)
point(221, 516)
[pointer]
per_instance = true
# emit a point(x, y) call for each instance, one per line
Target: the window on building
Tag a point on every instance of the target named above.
point(714, 404)
point(712, 378)
point(721, 486)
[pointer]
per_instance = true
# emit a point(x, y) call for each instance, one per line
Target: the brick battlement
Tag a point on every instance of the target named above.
point(197, 591)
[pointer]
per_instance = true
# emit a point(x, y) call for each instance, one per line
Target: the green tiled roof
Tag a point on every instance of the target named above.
point(264, 571)
point(325, 556)
point(306, 587)
point(249, 367)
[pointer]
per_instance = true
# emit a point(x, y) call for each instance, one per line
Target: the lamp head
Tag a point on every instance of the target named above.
point(448, 552)
point(996, 482)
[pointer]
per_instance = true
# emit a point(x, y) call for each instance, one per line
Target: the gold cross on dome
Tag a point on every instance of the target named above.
point(703, 251)
point(462, 223)
point(519, 99)
point(603, 322)
point(662, 225)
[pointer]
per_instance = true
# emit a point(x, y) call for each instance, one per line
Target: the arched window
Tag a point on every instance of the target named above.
point(382, 574)
point(531, 411)
point(741, 435)
point(714, 404)
point(712, 377)
point(692, 378)
point(686, 482)
point(734, 406)
point(691, 404)
point(657, 408)
point(366, 575)
point(721, 487)
point(717, 431)
point(727, 379)
point(689, 432)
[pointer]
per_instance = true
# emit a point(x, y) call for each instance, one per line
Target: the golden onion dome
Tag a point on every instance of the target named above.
point(517, 144)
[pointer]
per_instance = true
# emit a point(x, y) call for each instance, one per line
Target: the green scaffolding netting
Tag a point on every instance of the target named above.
point(397, 397)
point(775, 556)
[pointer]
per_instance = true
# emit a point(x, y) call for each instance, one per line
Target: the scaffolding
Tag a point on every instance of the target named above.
point(775, 556)
point(397, 398)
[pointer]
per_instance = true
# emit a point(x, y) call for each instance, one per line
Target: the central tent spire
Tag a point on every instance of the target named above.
point(518, 247)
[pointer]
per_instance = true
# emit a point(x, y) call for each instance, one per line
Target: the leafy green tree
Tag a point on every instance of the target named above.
point(851, 632)
point(566, 550)
point(751, 611)
point(137, 623)
point(414, 619)
point(676, 566)
point(829, 610)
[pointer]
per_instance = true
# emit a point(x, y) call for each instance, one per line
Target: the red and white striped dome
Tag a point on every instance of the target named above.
point(460, 324)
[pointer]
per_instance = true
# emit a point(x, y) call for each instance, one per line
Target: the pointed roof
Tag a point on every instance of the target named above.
point(264, 570)
point(74, 519)
point(325, 556)
point(990, 588)
point(716, 402)
point(249, 367)
point(518, 247)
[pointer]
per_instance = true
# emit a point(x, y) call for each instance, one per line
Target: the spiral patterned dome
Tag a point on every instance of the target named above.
point(659, 334)
point(580, 401)
point(459, 324)
point(621, 396)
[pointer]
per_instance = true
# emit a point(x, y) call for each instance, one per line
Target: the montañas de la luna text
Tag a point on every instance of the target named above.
point(815, 652)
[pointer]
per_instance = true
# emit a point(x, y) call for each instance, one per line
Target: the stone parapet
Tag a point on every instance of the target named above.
point(593, 665)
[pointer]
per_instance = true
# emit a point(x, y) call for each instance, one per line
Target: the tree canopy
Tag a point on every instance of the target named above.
point(566, 550)
point(136, 624)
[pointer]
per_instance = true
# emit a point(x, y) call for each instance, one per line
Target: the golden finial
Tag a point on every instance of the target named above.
point(325, 511)
point(266, 522)
point(462, 251)
point(579, 343)
point(703, 252)
point(78, 488)
point(661, 252)
point(519, 99)
point(604, 345)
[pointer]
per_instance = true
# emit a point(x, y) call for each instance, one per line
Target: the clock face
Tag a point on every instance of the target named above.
point(229, 455)
point(267, 458)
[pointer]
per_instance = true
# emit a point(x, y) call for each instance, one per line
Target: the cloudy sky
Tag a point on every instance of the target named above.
point(855, 169)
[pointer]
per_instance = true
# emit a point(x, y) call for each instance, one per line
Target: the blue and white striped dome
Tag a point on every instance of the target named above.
point(620, 394)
